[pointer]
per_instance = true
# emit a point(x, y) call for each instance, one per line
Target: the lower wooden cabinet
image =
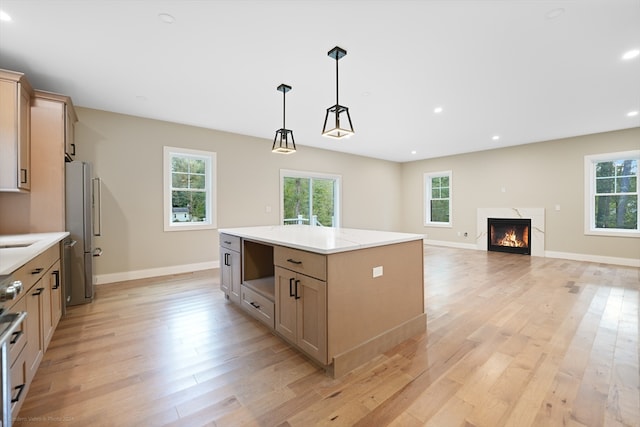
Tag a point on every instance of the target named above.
point(301, 312)
point(42, 300)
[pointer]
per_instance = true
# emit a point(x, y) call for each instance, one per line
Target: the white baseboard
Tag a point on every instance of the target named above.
point(450, 244)
point(627, 262)
point(101, 279)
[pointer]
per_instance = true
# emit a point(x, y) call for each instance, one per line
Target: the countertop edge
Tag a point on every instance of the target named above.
point(17, 257)
point(390, 239)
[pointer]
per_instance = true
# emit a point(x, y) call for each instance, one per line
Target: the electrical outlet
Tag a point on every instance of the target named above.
point(377, 271)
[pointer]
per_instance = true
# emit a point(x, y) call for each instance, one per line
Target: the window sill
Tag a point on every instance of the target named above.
point(613, 233)
point(438, 224)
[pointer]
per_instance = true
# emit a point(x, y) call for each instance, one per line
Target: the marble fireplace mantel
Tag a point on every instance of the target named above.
point(537, 225)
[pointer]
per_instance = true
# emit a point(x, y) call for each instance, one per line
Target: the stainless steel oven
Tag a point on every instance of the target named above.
point(9, 325)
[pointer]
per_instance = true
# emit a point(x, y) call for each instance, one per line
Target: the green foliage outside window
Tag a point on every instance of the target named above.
point(616, 198)
point(188, 187)
point(440, 199)
point(306, 197)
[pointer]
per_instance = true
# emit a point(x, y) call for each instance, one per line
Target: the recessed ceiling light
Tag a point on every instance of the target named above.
point(437, 110)
point(413, 151)
point(632, 113)
point(630, 54)
point(166, 18)
point(495, 137)
point(4, 16)
point(554, 13)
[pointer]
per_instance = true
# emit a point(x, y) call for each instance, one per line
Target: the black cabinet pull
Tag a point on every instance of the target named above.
point(291, 294)
point(20, 389)
point(73, 149)
point(297, 283)
point(255, 305)
point(16, 336)
point(37, 270)
point(57, 274)
point(293, 261)
point(37, 292)
point(23, 176)
point(227, 242)
point(226, 259)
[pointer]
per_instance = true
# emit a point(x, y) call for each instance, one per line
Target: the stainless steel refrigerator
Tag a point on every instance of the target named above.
point(83, 222)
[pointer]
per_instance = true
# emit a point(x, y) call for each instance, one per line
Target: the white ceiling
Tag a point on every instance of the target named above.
point(507, 68)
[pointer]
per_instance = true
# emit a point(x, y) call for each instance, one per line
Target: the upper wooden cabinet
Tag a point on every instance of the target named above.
point(15, 131)
point(52, 122)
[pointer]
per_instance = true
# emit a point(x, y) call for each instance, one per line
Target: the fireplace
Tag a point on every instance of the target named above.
point(511, 235)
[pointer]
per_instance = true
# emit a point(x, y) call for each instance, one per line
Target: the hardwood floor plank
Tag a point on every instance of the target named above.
point(511, 341)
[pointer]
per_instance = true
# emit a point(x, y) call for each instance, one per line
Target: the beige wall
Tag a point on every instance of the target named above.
point(127, 154)
point(543, 174)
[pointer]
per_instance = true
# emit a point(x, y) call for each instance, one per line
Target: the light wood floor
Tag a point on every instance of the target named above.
point(512, 341)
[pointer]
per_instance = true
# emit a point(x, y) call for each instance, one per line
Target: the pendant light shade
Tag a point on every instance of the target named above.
point(283, 142)
point(337, 121)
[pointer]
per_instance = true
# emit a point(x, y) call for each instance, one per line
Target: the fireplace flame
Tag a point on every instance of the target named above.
point(510, 239)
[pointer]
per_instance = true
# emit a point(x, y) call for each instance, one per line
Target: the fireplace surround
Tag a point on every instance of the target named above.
point(537, 216)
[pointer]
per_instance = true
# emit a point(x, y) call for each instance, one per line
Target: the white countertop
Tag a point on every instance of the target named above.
point(18, 249)
point(323, 240)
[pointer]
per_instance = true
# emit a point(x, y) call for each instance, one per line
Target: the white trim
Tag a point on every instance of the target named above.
point(589, 194)
point(210, 159)
point(426, 197)
point(627, 262)
point(101, 279)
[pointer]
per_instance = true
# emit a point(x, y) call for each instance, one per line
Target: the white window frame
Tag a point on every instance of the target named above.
point(305, 174)
point(427, 199)
point(210, 173)
point(590, 192)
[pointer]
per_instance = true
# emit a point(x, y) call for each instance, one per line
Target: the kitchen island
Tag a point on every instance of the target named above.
point(341, 296)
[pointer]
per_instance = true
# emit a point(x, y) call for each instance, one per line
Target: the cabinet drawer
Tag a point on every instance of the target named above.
point(18, 391)
point(33, 270)
point(230, 242)
point(308, 263)
point(19, 337)
point(258, 306)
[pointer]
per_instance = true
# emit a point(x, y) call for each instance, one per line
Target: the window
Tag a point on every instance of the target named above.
point(611, 194)
point(189, 192)
point(437, 190)
point(310, 198)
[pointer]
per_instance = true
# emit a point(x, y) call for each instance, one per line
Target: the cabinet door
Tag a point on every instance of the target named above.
point(312, 316)
point(286, 314)
point(230, 272)
point(69, 134)
point(35, 340)
point(56, 298)
point(24, 142)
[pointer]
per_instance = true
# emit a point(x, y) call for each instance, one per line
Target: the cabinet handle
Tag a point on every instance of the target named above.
point(57, 274)
point(20, 389)
point(227, 242)
point(23, 176)
point(37, 270)
point(16, 336)
point(297, 283)
point(293, 261)
point(291, 294)
point(73, 149)
point(226, 259)
point(255, 305)
point(37, 292)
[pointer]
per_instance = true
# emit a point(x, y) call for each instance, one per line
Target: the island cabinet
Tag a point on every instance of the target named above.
point(230, 269)
point(340, 296)
point(301, 300)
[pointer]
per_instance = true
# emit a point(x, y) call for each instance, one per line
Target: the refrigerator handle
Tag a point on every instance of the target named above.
point(97, 207)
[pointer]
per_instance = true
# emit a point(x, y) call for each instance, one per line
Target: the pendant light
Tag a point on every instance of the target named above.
point(284, 136)
point(337, 131)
